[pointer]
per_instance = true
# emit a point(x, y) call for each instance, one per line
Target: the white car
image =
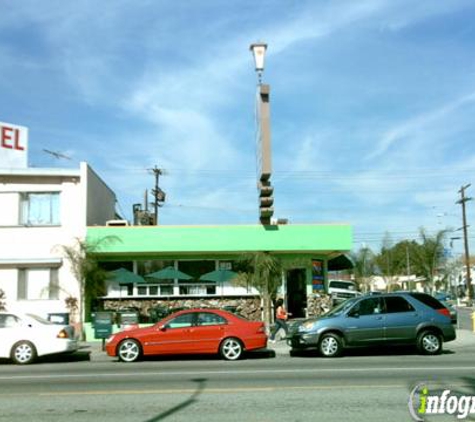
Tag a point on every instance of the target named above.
point(341, 290)
point(24, 337)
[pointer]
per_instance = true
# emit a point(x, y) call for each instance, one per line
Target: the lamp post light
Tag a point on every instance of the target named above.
point(259, 52)
point(264, 162)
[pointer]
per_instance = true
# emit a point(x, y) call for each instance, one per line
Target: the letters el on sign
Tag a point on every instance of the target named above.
point(13, 146)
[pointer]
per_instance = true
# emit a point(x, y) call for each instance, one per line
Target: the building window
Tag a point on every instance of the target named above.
point(10, 209)
point(40, 209)
point(38, 284)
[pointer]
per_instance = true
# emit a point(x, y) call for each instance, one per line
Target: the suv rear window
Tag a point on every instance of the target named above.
point(427, 300)
point(395, 304)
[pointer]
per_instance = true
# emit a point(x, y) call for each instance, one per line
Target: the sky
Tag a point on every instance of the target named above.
point(372, 106)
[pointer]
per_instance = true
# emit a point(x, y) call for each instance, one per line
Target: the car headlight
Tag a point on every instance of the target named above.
point(307, 326)
point(110, 338)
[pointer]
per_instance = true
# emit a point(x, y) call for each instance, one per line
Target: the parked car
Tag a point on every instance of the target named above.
point(371, 320)
point(341, 290)
point(192, 331)
point(24, 337)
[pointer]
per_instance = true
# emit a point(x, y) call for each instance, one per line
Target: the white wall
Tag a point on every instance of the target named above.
point(30, 247)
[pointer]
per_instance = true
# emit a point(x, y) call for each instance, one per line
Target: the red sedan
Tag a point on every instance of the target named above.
point(201, 331)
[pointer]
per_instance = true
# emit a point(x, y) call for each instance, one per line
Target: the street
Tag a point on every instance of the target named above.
point(364, 385)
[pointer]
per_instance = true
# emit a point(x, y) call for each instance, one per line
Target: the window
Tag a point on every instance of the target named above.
point(40, 209)
point(181, 321)
point(8, 321)
point(38, 284)
point(166, 290)
point(9, 204)
point(368, 307)
point(428, 300)
point(395, 304)
point(208, 318)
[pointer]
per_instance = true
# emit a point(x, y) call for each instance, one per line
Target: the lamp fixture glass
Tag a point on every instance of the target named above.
point(259, 50)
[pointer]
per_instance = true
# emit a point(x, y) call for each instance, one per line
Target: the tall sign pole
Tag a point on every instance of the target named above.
point(264, 161)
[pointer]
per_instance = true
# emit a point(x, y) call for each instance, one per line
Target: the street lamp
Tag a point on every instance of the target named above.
point(259, 52)
point(263, 150)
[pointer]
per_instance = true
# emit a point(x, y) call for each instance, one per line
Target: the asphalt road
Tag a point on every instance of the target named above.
point(366, 385)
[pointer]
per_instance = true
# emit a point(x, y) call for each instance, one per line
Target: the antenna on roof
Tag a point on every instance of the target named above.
point(57, 155)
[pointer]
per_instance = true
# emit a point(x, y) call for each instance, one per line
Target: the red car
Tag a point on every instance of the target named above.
point(201, 331)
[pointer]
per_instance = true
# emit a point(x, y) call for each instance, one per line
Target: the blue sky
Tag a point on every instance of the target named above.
point(372, 104)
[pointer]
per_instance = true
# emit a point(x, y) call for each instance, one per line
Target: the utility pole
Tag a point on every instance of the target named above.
point(157, 193)
point(463, 199)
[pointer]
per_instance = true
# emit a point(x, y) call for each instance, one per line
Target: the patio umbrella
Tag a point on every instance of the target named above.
point(124, 276)
point(219, 276)
point(169, 273)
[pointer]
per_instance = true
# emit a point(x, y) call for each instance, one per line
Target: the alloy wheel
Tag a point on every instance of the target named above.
point(330, 345)
point(129, 351)
point(431, 343)
point(231, 349)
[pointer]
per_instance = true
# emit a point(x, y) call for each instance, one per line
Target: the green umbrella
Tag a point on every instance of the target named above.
point(219, 276)
point(124, 276)
point(169, 273)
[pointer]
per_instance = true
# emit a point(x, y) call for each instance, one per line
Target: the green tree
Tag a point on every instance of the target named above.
point(428, 257)
point(386, 263)
point(90, 277)
point(365, 267)
point(262, 271)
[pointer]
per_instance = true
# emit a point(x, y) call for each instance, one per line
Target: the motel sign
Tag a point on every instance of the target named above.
point(13, 146)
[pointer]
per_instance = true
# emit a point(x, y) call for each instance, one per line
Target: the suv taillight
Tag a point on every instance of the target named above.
point(444, 311)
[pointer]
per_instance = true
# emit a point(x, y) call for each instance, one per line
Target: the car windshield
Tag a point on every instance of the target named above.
point(341, 308)
point(342, 285)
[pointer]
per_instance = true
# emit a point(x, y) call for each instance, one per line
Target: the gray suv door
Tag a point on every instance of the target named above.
point(400, 319)
point(364, 322)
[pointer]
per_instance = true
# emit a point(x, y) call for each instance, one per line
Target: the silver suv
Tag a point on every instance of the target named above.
point(372, 320)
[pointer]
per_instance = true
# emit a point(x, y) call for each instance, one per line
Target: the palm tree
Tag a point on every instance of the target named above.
point(262, 271)
point(428, 256)
point(87, 272)
point(365, 267)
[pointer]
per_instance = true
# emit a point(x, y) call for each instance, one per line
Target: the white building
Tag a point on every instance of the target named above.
point(42, 209)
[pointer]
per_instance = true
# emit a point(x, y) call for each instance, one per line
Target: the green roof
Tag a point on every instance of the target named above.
point(145, 240)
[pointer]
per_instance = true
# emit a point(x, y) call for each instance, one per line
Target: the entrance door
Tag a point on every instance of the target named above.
point(296, 293)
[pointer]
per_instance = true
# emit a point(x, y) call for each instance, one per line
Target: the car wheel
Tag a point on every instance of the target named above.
point(23, 353)
point(231, 349)
point(330, 345)
point(429, 343)
point(129, 350)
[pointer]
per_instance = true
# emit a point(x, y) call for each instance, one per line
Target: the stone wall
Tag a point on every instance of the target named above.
point(318, 304)
point(249, 307)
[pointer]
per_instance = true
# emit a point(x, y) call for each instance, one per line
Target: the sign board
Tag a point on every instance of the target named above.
point(318, 276)
point(102, 324)
point(13, 146)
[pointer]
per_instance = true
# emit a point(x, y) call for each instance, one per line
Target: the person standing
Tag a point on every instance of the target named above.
point(281, 316)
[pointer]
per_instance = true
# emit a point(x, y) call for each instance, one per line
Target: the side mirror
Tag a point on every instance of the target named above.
point(353, 314)
point(162, 327)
